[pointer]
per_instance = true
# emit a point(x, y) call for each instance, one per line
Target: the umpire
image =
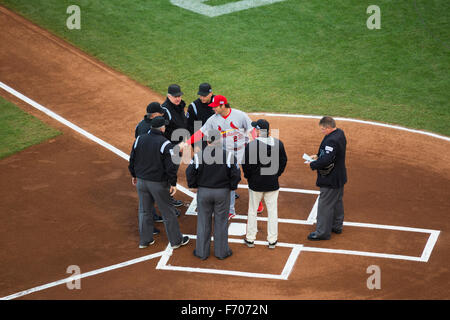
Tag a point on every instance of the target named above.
point(199, 110)
point(331, 177)
point(214, 172)
point(155, 176)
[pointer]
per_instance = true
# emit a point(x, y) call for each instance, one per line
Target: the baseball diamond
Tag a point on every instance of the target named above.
point(72, 200)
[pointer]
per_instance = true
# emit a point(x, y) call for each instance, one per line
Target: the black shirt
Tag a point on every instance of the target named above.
point(264, 161)
point(332, 150)
point(151, 158)
point(198, 111)
point(213, 168)
point(143, 127)
point(177, 119)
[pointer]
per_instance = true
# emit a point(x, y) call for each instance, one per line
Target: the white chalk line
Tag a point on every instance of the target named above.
point(434, 135)
point(83, 275)
point(434, 234)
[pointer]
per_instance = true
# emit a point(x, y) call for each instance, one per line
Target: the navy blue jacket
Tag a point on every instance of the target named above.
point(332, 150)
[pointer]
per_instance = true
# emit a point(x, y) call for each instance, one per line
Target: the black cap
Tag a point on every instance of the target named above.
point(261, 124)
point(204, 89)
point(155, 107)
point(158, 122)
point(174, 90)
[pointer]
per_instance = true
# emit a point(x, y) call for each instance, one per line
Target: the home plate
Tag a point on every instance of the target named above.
point(237, 229)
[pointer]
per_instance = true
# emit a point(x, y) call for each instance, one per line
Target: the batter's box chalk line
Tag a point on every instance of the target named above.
point(163, 263)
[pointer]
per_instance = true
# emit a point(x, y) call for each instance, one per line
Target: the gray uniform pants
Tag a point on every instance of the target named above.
point(211, 201)
point(330, 211)
point(150, 192)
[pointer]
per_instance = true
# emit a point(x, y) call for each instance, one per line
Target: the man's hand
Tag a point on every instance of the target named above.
point(182, 145)
point(314, 157)
point(134, 181)
point(172, 190)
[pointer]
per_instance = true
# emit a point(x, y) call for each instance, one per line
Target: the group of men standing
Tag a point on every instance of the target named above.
point(225, 141)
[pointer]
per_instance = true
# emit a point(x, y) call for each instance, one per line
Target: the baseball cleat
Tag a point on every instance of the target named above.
point(272, 245)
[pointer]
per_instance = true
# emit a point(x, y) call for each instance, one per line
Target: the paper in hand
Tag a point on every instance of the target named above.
point(307, 158)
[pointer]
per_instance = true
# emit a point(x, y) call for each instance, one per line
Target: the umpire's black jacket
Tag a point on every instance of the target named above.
point(143, 127)
point(198, 111)
point(151, 158)
point(332, 150)
point(223, 173)
point(177, 119)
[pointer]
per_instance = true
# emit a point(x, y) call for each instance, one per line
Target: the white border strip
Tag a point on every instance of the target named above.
point(434, 135)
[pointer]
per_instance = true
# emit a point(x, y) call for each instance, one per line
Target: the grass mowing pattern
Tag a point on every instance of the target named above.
point(307, 57)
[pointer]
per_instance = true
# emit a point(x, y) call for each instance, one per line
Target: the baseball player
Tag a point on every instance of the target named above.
point(235, 127)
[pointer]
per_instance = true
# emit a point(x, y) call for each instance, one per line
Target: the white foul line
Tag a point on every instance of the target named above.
point(83, 275)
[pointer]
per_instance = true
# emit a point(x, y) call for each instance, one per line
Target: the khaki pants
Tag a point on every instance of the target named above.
point(271, 200)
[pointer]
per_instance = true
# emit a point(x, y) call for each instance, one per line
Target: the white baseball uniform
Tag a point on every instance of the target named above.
point(234, 128)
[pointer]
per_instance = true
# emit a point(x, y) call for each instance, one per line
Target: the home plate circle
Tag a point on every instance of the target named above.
point(237, 229)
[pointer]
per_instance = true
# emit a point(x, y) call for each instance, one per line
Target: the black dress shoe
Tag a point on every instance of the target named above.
point(228, 255)
point(314, 237)
point(156, 231)
point(337, 231)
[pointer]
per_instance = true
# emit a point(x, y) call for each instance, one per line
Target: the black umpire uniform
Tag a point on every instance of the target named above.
point(214, 172)
point(175, 115)
point(151, 163)
point(331, 178)
point(199, 111)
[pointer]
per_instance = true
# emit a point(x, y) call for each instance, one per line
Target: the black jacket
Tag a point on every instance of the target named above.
point(143, 127)
point(198, 111)
point(332, 150)
point(222, 173)
point(177, 119)
point(151, 158)
point(264, 161)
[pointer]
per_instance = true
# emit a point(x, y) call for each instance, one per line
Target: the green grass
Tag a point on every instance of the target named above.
point(305, 57)
point(19, 130)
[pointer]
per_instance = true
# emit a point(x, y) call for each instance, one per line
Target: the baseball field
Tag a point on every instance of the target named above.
point(77, 88)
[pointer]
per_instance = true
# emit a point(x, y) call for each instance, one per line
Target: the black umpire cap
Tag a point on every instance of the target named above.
point(174, 90)
point(261, 124)
point(155, 107)
point(158, 122)
point(204, 89)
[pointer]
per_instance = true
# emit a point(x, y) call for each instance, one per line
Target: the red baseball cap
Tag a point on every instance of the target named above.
point(217, 101)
